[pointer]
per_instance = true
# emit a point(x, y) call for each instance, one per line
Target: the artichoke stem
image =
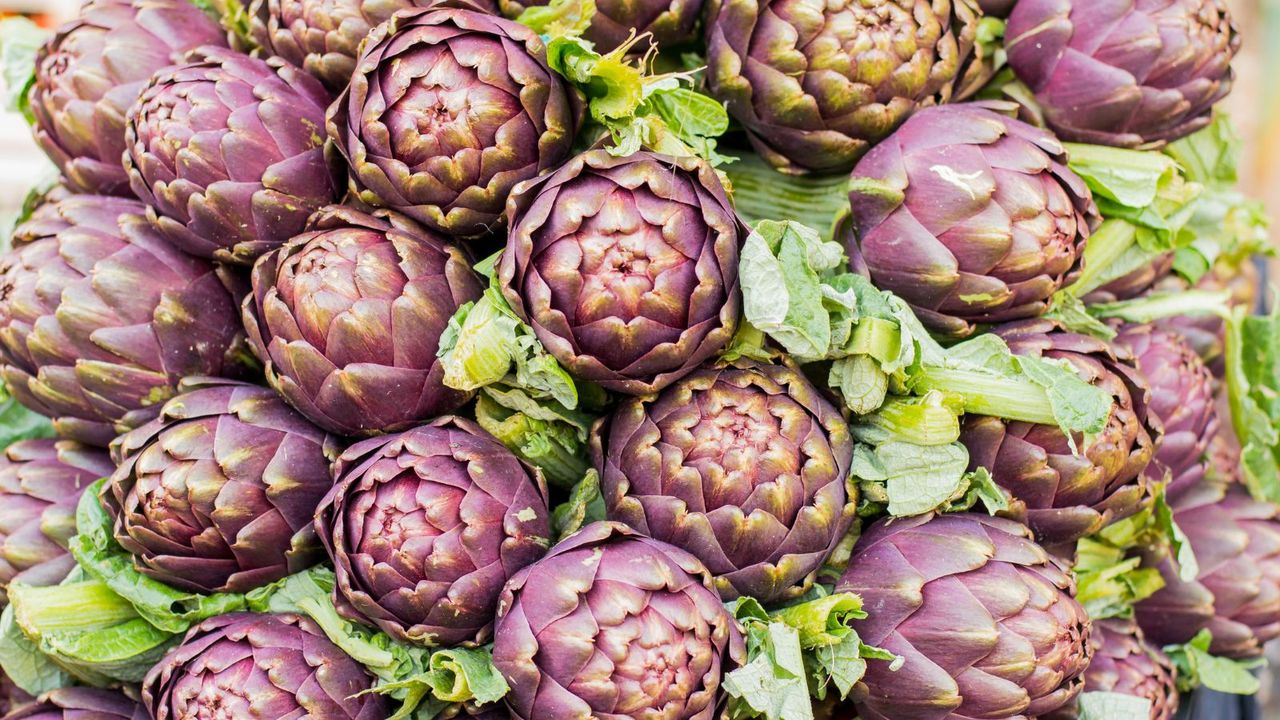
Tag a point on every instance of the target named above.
point(985, 394)
point(82, 606)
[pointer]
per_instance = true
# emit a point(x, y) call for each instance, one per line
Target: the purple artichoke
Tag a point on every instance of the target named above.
point(12, 697)
point(744, 466)
point(1125, 663)
point(229, 151)
point(260, 667)
point(425, 527)
point(447, 111)
point(40, 485)
point(626, 268)
point(984, 618)
point(1064, 495)
point(1129, 73)
point(91, 72)
point(970, 216)
point(670, 23)
point(612, 624)
point(348, 317)
point(100, 317)
point(81, 703)
point(218, 493)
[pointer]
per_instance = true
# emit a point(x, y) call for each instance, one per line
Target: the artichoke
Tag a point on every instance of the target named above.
point(626, 268)
point(1064, 495)
point(815, 84)
point(218, 493)
point(425, 527)
point(81, 703)
point(11, 696)
point(100, 317)
point(348, 317)
point(669, 23)
point(40, 484)
point(1129, 73)
point(447, 111)
point(970, 216)
point(1207, 333)
point(743, 466)
point(260, 667)
point(612, 624)
point(229, 150)
point(92, 70)
point(984, 619)
point(1125, 663)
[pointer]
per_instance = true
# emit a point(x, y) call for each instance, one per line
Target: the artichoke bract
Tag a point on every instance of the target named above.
point(614, 624)
point(626, 268)
point(81, 703)
point(743, 466)
point(92, 70)
point(670, 23)
point(1062, 494)
point(218, 493)
point(1128, 73)
point(983, 617)
point(816, 84)
point(969, 216)
point(229, 151)
point(260, 667)
point(1125, 663)
point(100, 316)
point(448, 110)
point(348, 317)
point(425, 527)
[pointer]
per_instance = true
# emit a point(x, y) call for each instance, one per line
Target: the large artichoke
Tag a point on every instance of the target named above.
point(983, 617)
point(260, 667)
point(348, 317)
point(218, 493)
point(229, 150)
point(1130, 73)
point(612, 624)
point(1063, 494)
point(817, 83)
point(40, 485)
point(425, 527)
point(670, 23)
point(447, 111)
point(626, 268)
point(100, 317)
point(970, 216)
point(1125, 663)
point(92, 70)
point(745, 467)
point(81, 703)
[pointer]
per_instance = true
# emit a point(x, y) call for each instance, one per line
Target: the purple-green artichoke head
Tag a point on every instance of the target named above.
point(670, 23)
point(229, 151)
point(1129, 73)
point(1236, 594)
point(1125, 663)
point(81, 703)
point(613, 624)
point(816, 84)
point(426, 526)
point(40, 484)
point(448, 110)
point(218, 493)
point(745, 467)
point(13, 697)
point(1135, 283)
point(626, 268)
point(347, 318)
point(970, 216)
point(92, 70)
point(260, 667)
point(983, 617)
point(1062, 494)
point(100, 316)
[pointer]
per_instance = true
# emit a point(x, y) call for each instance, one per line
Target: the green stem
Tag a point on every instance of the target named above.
point(1192, 303)
point(81, 606)
point(1105, 247)
point(986, 394)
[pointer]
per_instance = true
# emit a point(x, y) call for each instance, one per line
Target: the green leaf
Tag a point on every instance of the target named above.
point(568, 18)
point(762, 193)
point(911, 479)
point(546, 436)
point(461, 675)
point(20, 40)
point(928, 420)
point(1131, 178)
point(18, 423)
point(1113, 706)
point(584, 506)
point(21, 660)
point(773, 682)
point(1198, 668)
point(1253, 383)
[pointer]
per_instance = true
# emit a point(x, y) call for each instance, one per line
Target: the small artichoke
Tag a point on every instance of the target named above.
point(745, 467)
point(970, 216)
point(1125, 663)
point(983, 617)
point(260, 667)
point(348, 317)
point(817, 83)
point(92, 70)
point(613, 624)
point(626, 268)
point(13, 697)
point(425, 527)
point(218, 493)
point(229, 151)
point(100, 317)
point(40, 484)
point(1129, 73)
point(447, 111)
point(670, 23)
point(81, 703)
